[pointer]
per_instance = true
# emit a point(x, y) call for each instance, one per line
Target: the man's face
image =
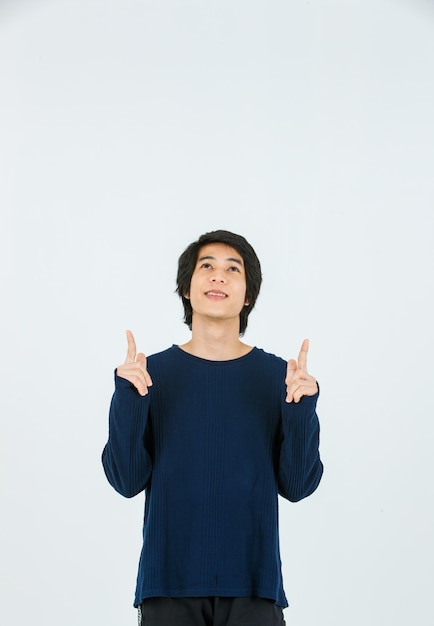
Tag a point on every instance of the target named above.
point(218, 284)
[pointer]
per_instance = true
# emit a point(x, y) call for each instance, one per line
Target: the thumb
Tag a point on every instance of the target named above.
point(291, 369)
point(141, 358)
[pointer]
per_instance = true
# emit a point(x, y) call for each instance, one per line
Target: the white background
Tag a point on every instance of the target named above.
point(128, 129)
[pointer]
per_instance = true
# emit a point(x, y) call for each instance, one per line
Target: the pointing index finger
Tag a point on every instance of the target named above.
point(132, 350)
point(302, 357)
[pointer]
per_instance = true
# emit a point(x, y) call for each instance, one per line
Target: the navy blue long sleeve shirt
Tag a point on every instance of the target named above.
point(212, 445)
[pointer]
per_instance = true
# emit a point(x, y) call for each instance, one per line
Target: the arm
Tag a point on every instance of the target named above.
point(127, 463)
point(300, 468)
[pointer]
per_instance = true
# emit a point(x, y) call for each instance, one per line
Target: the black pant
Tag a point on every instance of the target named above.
point(210, 611)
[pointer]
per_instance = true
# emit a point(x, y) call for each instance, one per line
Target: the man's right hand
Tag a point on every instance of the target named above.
point(134, 368)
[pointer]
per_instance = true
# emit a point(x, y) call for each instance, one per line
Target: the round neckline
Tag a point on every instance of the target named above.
point(193, 357)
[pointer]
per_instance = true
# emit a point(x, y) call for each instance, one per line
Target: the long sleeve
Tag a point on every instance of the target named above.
point(206, 444)
point(126, 461)
point(300, 467)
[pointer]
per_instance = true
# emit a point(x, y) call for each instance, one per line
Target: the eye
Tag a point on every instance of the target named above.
point(206, 266)
point(233, 268)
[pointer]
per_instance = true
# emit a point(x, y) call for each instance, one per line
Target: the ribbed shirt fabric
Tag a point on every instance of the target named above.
point(212, 445)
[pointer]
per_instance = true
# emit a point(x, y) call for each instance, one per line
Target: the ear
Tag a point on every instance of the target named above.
point(246, 303)
point(187, 296)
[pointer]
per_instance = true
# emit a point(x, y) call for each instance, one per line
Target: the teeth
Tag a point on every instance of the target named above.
point(213, 293)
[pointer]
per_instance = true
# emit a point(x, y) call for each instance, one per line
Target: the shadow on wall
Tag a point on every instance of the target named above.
point(424, 7)
point(14, 8)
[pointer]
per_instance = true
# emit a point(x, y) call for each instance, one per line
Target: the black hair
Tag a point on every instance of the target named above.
point(187, 263)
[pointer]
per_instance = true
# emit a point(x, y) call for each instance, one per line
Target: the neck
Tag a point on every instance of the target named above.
point(215, 342)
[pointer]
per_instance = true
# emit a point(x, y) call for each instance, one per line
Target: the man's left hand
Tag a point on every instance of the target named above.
point(298, 382)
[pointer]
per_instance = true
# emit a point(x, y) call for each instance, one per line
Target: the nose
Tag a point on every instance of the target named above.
point(218, 277)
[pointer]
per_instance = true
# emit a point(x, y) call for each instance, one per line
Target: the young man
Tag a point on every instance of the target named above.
point(213, 430)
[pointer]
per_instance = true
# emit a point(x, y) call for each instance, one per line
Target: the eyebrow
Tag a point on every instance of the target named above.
point(233, 259)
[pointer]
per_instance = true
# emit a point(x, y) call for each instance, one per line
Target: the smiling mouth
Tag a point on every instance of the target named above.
point(216, 294)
